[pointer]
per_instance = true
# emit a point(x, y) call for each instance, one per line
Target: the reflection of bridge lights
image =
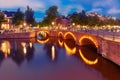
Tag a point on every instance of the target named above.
point(24, 50)
point(88, 61)
point(24, 47)
point(53, 53)
point(42, 41)
point(30, 45)
point(60, 43)
point(90, 38)
point(69, 50)
point(70, 33)
point(5, 48)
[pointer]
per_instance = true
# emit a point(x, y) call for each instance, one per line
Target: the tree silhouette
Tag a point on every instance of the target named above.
point(51, 15)
point(2, 18)
point(18, 17)
point(29, 16)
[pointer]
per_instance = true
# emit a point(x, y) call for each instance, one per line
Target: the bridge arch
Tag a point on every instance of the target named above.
point(70, 34)
point(60, 35)
point(91, 43)
point(88, 40)
point(42, 34)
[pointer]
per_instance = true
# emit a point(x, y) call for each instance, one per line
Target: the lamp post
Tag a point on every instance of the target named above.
point(53, 25)
point(24, 26)
point(73, 25)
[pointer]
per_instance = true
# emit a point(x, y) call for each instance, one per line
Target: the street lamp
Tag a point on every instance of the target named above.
point(53, 25)
point(24, 24)
point(73, 25)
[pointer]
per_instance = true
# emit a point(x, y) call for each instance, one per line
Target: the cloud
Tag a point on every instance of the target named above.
point(96, 10)
point(65, 10)
point(114, 11)
point(20, 3)
point(104, 3)
point(109, 7)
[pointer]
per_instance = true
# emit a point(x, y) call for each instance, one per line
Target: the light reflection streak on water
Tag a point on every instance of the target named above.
point(24, 47)
point(5, 48)
point(53, 52)
point(30, 45)
point(86, 60)
point(69, 50)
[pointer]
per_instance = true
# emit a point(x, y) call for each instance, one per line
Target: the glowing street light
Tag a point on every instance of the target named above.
point(24, 24)
point(73, 24)
point(53, 23)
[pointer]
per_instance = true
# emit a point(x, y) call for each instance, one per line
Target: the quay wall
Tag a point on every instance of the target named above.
point(18, 35)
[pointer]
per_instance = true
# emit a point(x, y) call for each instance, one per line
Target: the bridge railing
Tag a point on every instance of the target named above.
point(114, 36)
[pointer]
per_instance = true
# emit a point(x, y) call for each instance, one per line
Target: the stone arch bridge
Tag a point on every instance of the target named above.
point(108, 49)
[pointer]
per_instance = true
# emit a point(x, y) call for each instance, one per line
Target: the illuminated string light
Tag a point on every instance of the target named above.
point(90, 38)
point(69, 50)
point(43, 31)
point(60, 43)
point(70, 33)
point(88, 61)
point(60, 33)
point(42, 41)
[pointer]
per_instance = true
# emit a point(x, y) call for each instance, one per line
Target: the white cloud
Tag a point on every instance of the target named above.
point(96, 10)
point(114, 11)
point(66, 9)
point(104, 3)
point(20, 3)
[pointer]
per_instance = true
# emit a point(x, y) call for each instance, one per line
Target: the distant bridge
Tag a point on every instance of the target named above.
point(108, 49)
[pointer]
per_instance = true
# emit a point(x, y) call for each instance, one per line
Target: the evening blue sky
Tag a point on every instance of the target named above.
point(104, 7)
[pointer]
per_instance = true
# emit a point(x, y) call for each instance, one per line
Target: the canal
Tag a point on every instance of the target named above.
point(53, 59)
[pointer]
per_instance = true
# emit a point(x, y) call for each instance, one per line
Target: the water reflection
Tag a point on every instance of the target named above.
point(86, 60)
point(24, 47)
point(52, 51)
point(5, 48)
point(1, 57)
point(69, 50)
point(42, 41)
point(88, 54)
point(17, 49)
point(60, 42)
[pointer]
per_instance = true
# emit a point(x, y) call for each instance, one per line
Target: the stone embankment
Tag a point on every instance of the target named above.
point(18, 35)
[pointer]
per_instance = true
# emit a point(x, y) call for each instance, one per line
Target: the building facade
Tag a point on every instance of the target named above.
point(7, 24)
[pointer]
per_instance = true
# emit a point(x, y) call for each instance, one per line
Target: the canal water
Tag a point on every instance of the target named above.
point(53, 59)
